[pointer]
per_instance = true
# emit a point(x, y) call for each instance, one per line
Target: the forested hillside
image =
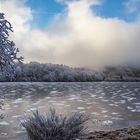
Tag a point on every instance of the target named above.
point(36, 72)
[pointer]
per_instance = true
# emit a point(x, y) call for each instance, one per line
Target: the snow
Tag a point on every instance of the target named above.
point(107, 122)
point(4, 123)
point(17, 101)
point(80, 108)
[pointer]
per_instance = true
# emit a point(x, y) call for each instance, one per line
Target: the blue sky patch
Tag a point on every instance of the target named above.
point(45, 10)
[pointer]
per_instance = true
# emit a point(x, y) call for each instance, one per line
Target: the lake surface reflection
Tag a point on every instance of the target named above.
point(110, 105)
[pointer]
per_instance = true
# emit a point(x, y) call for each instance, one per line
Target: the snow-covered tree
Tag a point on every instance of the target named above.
point(8, 51)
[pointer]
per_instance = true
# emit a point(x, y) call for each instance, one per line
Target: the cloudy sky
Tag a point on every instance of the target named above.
point(87, 33)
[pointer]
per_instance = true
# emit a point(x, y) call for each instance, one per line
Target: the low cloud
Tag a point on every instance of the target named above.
point(77, 38)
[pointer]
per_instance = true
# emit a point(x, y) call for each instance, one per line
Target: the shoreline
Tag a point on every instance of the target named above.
point(127, 133)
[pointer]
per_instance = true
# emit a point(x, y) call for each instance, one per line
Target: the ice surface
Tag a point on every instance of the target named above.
point(111, 104)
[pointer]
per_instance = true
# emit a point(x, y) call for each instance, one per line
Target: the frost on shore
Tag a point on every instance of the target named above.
point(55, 127)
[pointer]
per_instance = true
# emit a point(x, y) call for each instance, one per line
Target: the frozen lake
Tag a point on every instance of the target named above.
point(110, 105)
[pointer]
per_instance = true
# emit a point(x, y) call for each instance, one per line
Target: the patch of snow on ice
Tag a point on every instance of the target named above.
point(80, 108)
point(107, 122)
point(4, 123)
point(17, 101)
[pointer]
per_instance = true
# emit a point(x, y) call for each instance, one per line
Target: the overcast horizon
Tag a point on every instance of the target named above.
point(79, 33)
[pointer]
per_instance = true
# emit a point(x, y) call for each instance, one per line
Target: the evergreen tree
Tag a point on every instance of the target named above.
point(8, 51)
